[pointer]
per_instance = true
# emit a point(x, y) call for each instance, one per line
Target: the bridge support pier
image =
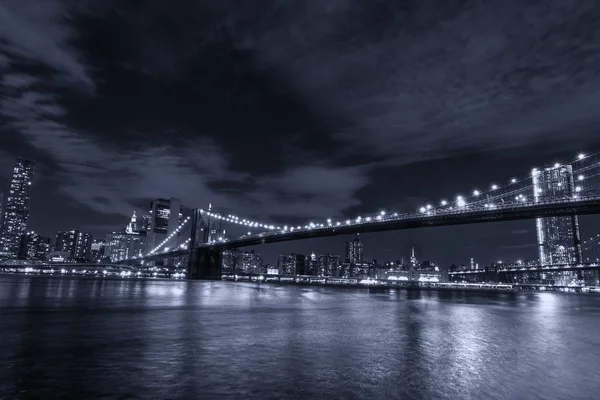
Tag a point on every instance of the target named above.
point(205, 263)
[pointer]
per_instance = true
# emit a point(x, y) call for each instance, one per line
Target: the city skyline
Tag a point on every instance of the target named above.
point(391, 255)
point(249, 119)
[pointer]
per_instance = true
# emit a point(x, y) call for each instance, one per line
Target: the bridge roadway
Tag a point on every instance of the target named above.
point(508, 212)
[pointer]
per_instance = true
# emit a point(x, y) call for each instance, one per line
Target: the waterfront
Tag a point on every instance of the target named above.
point(84, 338)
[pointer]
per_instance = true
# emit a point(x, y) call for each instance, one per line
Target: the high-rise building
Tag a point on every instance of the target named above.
point(292, 264)
point(83, 247)
point(124, 246)
point(354, 251)
point(16, 214)
point(165, 216)
point(558, 237)
point(74, 244)
point(34, 247)
point(328, 265)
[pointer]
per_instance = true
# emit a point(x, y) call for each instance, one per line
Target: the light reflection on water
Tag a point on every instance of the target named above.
point(184, 340)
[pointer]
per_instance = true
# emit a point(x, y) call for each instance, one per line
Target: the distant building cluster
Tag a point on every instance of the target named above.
point(331, 265)
point(75, 246)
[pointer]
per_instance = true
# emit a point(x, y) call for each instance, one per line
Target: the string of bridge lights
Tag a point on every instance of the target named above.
point(592, 239)
point(240, 221)
point(164, 242)
point(478, 197)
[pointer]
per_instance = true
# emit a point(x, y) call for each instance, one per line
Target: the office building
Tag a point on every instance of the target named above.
point(83, 247)
point(165, 216)
point(74, 245)
point(249, 262)
point(97, 250)
point(354, 251)
point(16, 213)
point(328, 265)
point(292, 264)
point(34, 247)
point(120, 246)
point(557, 237)
point(66, 241)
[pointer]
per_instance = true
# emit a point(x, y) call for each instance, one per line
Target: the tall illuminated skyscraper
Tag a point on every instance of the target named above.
point(16, 214)
point(354, 251)
point(558, 237)
point(165, 217)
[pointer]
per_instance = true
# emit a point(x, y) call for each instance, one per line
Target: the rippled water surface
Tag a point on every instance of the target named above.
point(87, 339)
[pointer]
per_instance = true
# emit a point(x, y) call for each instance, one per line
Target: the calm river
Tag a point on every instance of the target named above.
point(111, 339)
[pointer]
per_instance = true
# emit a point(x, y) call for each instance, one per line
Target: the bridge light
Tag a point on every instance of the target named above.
point(578, 188)
point(348, 222)
point(423, 209)
point(428, 206)
point(382, 213)
point(494, 187)
point(329, 221)
point(580, 177)
point(444, 202)
point(460, 201)
point(476, 193)
point(556, 165)
point(580, 156)
point(513, 180)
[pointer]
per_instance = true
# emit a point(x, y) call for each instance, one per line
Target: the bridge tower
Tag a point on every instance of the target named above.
point(204, 263)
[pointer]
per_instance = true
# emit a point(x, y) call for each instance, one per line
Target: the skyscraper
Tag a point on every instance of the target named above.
point(16, 214)
point(558, 237)
point(354, 251)
point(165, 217)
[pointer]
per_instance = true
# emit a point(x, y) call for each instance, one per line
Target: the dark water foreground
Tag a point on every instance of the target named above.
point(88, 339)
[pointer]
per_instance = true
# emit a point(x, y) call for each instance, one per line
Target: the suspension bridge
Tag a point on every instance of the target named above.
point(557, 190)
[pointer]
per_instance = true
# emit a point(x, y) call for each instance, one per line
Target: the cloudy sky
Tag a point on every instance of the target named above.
point(290, 110)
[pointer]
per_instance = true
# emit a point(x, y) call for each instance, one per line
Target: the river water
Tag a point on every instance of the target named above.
point(146, 339)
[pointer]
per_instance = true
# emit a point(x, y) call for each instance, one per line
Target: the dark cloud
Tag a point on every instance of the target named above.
point(290, 110)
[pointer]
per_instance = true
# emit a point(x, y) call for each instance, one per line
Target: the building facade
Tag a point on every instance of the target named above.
point(16, 213)
point(328, 265)
point(34, 247)
point(354, 251)
point(165, 215)
point(121, 246)
point(558, 238)
point(292, 264)
point(97, 250)
point(78, 245)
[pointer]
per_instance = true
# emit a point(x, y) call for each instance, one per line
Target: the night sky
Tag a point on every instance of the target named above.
point(289, 110)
